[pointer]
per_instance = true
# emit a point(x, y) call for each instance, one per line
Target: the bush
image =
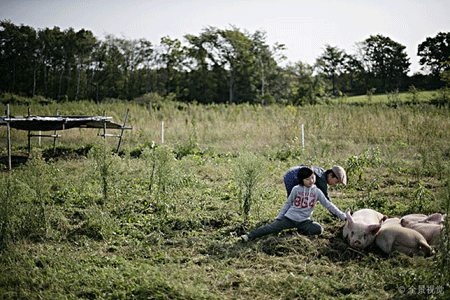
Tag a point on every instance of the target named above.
point(442, 98)
point(248, 174)
point(8, 197)
point(105, 168)
point(355, 165)
point(160, 161)
point(22, 210)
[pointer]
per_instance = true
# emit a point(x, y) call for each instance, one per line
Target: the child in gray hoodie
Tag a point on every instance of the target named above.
point(298, 208)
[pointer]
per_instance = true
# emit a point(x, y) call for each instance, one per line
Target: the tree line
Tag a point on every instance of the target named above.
point(216, 66)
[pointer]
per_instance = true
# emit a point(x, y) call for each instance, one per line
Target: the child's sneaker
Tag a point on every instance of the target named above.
point(245, 238)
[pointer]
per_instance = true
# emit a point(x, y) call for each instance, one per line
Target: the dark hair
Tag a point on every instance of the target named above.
point(304, 173)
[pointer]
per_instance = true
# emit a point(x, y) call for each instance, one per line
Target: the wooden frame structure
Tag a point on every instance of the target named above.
point(54, 123)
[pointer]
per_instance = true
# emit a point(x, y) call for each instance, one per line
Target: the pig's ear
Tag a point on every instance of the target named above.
point(373, 229)
point(349, 217)
point(434, 218)
point(403, 222)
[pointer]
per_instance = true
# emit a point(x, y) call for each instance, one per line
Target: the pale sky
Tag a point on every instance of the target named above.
point(304, 27)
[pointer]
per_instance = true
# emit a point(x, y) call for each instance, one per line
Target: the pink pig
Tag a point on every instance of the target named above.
point(360, 229)
point(394, 237)
point(435, 218)
point(428, 226)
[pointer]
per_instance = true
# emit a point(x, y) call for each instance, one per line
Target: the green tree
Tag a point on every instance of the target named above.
point(202, 84)
point(301, 86)
point(331, 65)
point(385, 61)
point(267, 66)
point(84, 46)
point(434, 53)
point(229, 55)
point(225, 50)
point(171, 60)
point(110, 78)
point(121, 61)
point(52, 62)
point(19, 55)
point(240, 62)
point(353, 77)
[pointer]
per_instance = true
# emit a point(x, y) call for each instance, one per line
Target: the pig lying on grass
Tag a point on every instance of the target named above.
point(361, 229)
point(367, 226)
point(394, 237)
point(435, 218)
point(428, 226)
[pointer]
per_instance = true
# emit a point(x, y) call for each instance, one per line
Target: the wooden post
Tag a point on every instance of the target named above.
point(104, 125)
point(29, 137)
point(121, 134)
point(8, 136)
point(54, 139)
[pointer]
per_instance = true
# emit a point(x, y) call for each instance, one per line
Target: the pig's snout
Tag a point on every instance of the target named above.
point(357, 243)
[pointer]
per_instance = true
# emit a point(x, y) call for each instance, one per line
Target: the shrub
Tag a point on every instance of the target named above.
point(189, 147)
point(103, 167)
point(160, 171)
point(293, 149)
point(23, 212)
point(442, 99)
point(248, 173)
point(355, 165)
point(8, 197)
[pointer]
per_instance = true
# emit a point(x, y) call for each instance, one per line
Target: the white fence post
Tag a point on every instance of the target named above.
point(8, 136)
point(303, 137)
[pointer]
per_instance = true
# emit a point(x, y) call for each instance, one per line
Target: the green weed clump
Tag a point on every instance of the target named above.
point(355, 165)
point(9, 197)
point(102, 167)
point(248, 172)
point(444, 253)
point(161, 175)
point(25, 196)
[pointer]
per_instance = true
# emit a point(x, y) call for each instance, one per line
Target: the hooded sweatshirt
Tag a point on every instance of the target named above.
point(290, 179)
point(300, 204)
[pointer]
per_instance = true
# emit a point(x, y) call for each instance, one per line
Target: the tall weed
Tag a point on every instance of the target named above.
point(9, 191)
point(444, 255)
point(39, 176)
point(189, 147)
point(442, 98)
point(161, 162)
point(355, 165)
point(248, 172)
point(24, 194)
point(103, 167)
point(423, 200)
point(413, 94)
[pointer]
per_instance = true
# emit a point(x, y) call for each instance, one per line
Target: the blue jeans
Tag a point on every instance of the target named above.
point(307, 227)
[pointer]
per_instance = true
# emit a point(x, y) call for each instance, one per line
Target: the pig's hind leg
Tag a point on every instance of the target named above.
point(385, 242)
point(416, 248)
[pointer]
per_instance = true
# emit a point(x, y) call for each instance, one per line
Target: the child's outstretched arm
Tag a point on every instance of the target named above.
point(331, 207)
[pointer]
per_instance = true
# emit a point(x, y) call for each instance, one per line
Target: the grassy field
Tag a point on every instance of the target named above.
point(163, 220)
